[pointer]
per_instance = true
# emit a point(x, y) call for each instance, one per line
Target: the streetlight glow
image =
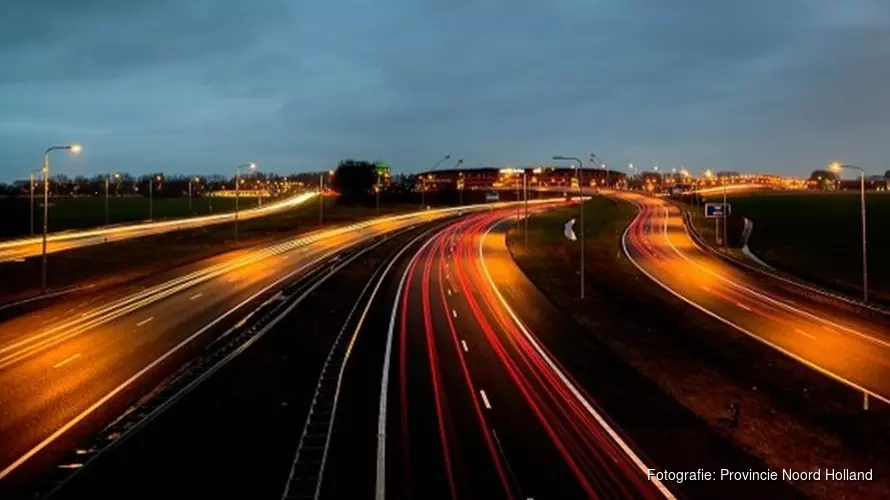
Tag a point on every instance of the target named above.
point(75, 148)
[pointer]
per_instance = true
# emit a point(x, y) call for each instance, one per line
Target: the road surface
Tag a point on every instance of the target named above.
point(67, 370)
point(19, 249)
point(850, 348)
point(475, 405)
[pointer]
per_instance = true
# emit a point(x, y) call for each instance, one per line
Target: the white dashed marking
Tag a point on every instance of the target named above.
point(146, 320)
point(485, 399)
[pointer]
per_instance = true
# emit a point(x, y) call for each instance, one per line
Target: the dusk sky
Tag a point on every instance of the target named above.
point(198, 86)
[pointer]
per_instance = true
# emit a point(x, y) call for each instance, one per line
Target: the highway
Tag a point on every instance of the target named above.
point(430, 368)
point(67, 370)
point(848, 347)
point(18, 249)
point(475, 405)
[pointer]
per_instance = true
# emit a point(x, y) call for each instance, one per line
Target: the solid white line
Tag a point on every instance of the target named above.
point(739, 328)
point(66, 361)
point(644, 469)
point(454, 313)
point(767, 297)
point(380, 484)
point(485, 399)
point(146, 320)
point(463, 344)
point(195, 296)
point(805, 334)
point(104, 399)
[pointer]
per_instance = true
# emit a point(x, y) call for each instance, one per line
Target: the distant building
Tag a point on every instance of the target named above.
point(384, 173)
point(511, 178)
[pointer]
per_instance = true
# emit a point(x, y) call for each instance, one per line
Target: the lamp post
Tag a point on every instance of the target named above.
point(321, 196)
point(459, 183)
point(837, 167)
point(423, 182)
point(190, 192)
point(151, 182)
point(249, 166)
point(31, 178)
point(107, 180)
point(581, 189)
point(74, 148)
point(525, 196)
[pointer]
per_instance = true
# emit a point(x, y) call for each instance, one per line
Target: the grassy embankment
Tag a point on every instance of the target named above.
point(791, 416)
point(818, 236)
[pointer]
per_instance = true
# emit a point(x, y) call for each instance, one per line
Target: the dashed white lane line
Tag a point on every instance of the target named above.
point(743, 306)
point(66, 361)
point(705, 288)
point(805, 334)
point(454, 313)
point(463, 343)
point(195, 296)
point(485, 399)
point(449, 292)
point(146, 320)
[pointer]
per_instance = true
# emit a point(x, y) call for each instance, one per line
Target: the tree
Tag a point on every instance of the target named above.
point(354, 180)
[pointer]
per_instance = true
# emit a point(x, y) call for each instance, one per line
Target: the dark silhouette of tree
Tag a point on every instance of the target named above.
point(354, 180)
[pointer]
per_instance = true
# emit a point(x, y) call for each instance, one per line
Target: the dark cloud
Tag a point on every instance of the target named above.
point(198, 85)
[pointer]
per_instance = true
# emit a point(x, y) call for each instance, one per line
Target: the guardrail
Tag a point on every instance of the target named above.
point(803, 287)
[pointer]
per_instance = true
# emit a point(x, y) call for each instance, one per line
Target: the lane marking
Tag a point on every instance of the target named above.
point(705, 288)
point(463, 344)
point(743, 306)
point(145, 321)
point(641, 466)
point(449, 292)
point(454, 313)
point(66, 361)
point(747, 332)
point(485, 399)
point(195, 296)
point(805, 334)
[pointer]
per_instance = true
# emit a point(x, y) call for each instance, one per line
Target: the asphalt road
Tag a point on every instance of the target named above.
point(851, 348)
point(68, 370)
point(57, 242)
point(480, 407)
point(423, 370)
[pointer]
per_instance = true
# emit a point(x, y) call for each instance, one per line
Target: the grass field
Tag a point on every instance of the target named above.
point(818, 236)
point(80, 213)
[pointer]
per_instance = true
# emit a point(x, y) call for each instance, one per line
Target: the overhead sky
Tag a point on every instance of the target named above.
point(198, 86)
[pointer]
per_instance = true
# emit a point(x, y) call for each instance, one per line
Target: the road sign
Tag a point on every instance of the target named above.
point(717, 210)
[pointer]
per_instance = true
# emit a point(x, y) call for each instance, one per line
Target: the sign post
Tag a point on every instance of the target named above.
point(718, 211)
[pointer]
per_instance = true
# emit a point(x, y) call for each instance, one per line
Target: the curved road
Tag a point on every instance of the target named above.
point(479, 407)
point(836, 342)
point(71, 368)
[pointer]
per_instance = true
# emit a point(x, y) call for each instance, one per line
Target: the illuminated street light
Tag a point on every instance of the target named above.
point(249, 166)
point(837, 167)
point(581, 188)
point(190, 191)
point(74, 148)
point(423, 182)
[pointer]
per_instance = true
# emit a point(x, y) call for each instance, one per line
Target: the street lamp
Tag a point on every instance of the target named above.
point(190, 191)
point(248, 166)
point(459, 183)
point(581, 189)
point(151, 183)
point(596, 161)
point(837, 167)
point(74, 148)
point(31, 178)
point(321, 195)
point(423, 182)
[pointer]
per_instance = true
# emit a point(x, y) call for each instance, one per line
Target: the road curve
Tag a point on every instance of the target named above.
point(72, 368)
point(476, 405)
point(836, 342)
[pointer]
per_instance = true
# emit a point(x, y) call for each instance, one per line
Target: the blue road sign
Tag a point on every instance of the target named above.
point(717, 209)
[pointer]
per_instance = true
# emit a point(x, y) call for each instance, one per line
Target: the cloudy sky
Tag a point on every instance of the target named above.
point(200, 85)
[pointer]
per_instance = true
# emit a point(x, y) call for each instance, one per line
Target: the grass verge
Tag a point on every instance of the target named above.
point(791, 417)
